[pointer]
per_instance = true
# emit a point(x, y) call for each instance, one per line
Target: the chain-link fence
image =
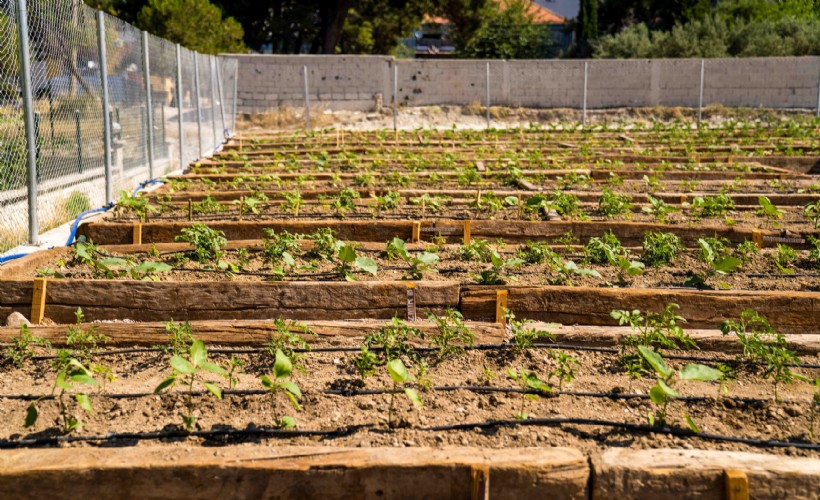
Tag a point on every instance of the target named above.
point(52, 145)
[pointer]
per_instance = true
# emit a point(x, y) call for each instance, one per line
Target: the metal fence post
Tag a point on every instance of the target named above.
point(146, 71)
point(221, 98)
point(586, 86)
point(235, 92)
point(488, 94)
point(700, 91)
point(213, 101)
point(817, 109)
point(28, 106)
point(395, 96)
point(307, 99)
point(179, 108)
point(79, 137)
point(198, 104)
point(109, 188)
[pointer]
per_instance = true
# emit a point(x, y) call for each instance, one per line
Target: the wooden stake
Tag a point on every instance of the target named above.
point(416, 236)
point(411, 302)
point(38, 301)
point(137, 234)
point(500, 306)
point(241, 206)
point(683, 199)
point(480, 474)
point(190, 211)
point(757, 238)
point(467, 228)
point(737, 484)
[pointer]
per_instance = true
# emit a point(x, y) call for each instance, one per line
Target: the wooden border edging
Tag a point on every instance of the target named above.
point(790, 312)
point(666, 474)
point(630, 233)
point(292, 472)
point(178, 300)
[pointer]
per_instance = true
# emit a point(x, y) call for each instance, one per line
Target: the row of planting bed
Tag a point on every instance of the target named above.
point(340, 290)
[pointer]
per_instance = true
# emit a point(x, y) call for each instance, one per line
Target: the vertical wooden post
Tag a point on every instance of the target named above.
point(757, 238)
point(500, 306)
point(480, 475)
point(467, 230)
point(416, 236)
point(737, 484)
point(38, 301)
point(411, 302)
point(137, 234)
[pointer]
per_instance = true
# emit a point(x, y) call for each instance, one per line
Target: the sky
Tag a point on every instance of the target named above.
point(566, 8)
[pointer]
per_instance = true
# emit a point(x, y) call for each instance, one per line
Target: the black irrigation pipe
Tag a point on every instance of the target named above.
point(477, 347)
point(348, 393)
point(350, 430)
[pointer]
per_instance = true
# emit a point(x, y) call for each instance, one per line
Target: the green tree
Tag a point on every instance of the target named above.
point(587, 27)
point(509, 34)
point(196, 24)
point(378, 26)
point(466, 18)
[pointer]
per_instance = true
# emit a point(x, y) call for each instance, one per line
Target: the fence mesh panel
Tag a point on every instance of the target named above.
point(68, 112)
point(13, 206)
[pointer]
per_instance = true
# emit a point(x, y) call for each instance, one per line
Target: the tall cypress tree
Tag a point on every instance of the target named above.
point(587, 27)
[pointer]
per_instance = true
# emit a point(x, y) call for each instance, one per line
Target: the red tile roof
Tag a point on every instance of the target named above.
point(539, 14)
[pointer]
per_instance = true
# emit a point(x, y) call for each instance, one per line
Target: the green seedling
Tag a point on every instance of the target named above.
point(468, 176)
point(279, 382)
point(400, 377)
point(597, 249)
point(418, 263)
point(763, 344)
point(565, 204)
point(235, 367)
point(248, 203)
point(814, 251)
point(71, 372)
point(745, 251)
point(475, 251)
point(784, 257)
point(208, 205)
point(663, 392)
point(573, 180)
point(180, 338)
point(491, 203)
point(284, 338)
point(536, 252)
point(714, 253)
point(611, 204)
point(394, 340)
point(293, 201)
point(345, 201)
point(659, 249)
point(390, 201)
point(191, 370)
point(655, 330)
point(712, 206)
point(21, 347)
point(812, 213)
point(427, 202)
point(280, 249)
point(498, 272)
point(105, 373)
point(348, 259)
point(532, 386)
point(768, 209)
point(84, 343)
point(565, 367)
point(658, 208)
point(453, 334)
point(365, 179)
point(366, 362)
point(209, 244)
point(140, 206)
point(522, 336)
point(325, 244)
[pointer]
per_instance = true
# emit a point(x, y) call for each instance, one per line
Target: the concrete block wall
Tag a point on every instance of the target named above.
point(350, 82)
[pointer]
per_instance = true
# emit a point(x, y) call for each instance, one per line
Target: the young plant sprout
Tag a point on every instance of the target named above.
point(400, 377)
point(533, 388)
point(453, 334)
point(191, 370)
point(278, 382)
point(70, 373)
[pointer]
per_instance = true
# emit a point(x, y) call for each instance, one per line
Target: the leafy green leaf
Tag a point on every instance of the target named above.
point(149, 267)
point(692, 424)
point(700, 372)
point(657, 395)
point(669, 391)
point(347, 253)
point(428, 258)
point(287, 422)
point(414, 396)
point(398, 372)
point(292, 388)
point(213, 368)
point(82, 378)
point(655, 361)
point(198, 353)
point(168, 382)
point(282, 367)
point(367, 265)
point(182, 365)
point(84, 401)
point(727, 264)
point(213, 389)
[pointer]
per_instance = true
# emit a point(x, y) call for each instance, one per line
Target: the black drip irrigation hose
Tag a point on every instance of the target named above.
point(347, 431)
point(477, 347)
point(376, 392)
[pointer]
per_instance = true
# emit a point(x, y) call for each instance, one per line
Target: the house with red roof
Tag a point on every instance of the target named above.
point(432, 40)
